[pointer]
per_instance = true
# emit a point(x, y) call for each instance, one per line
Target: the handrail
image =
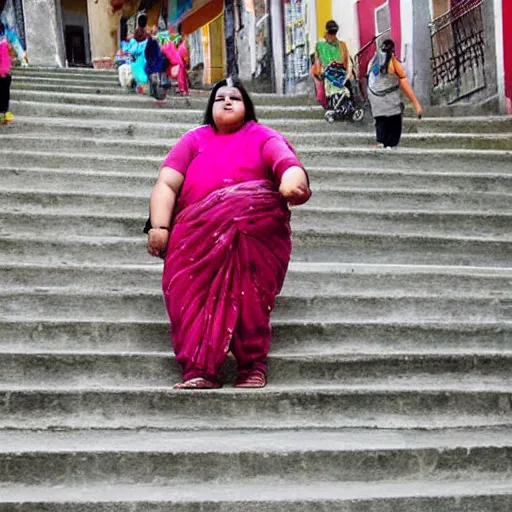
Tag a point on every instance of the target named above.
point(367, 45)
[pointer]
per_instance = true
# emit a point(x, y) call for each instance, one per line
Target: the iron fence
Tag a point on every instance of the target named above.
point(458, 50)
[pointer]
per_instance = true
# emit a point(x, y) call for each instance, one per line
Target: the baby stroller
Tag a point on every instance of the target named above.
point(342, 105)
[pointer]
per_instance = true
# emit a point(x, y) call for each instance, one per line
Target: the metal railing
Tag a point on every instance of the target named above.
point(458, 51)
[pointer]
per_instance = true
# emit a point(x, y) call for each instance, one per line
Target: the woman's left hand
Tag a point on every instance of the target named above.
point(295, 194)
point(157, 242)
point(294, 186)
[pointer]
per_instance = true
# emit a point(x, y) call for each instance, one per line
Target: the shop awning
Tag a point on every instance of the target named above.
point(194, 14)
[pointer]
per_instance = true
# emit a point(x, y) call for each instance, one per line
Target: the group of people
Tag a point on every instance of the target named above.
point(10, 50)
point(386, 78)
point(148, 55)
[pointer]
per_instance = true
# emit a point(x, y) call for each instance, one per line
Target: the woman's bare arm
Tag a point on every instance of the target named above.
point(294, 186)
point(163, 197)
point(161, 207)
point(405, 85)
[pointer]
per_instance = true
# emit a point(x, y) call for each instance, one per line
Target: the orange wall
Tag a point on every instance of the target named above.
point(202, 16)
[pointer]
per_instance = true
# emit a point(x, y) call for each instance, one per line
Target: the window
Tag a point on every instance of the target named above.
point(382, 19)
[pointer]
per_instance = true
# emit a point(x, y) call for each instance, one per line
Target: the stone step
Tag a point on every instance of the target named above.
point(137, 127)
point(348, 247)
point(100, 370)
point(338, 184)
point(122, 99)
point(27, 304)
point(101, 76)
point(35, 85)
point(312, 116)
point(425, 495)
point(268, 110)
point(422, 401)
point(303, 279)
point(288, 337)
point(137, 108)
point(193, 105)
point(90, 156)
point(34, 200)
point(172, 459)
point(160, 146)
point(307, 220)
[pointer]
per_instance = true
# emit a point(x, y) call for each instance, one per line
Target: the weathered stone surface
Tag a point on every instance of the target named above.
point(389, 385)
point(45, 38)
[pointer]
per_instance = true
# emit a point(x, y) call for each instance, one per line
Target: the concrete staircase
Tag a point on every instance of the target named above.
point(389, 387)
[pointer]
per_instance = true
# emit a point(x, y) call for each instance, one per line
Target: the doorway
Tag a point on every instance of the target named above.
point(75, 45)
point(75, 20)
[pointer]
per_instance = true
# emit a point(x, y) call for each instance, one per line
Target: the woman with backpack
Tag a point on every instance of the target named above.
point(386, 77)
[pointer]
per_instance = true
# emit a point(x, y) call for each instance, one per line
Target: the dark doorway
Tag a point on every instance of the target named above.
point(75, 45)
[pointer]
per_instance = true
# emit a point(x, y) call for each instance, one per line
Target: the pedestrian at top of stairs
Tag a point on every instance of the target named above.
point(386, 77)
point(5, 76)
point(224, 188)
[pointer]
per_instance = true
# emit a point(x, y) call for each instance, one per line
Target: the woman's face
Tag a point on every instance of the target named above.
point(228, 109)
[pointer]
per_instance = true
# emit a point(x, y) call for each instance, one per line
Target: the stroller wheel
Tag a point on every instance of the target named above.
point(329, 116)
point(358, 115)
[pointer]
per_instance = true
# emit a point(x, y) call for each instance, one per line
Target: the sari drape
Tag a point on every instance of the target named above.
point(177, 67)
point(226, 262)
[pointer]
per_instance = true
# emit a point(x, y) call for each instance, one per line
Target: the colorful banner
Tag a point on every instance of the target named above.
point(178, 9)
point(12, 17)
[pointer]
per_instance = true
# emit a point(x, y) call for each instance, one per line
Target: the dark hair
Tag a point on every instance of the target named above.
point(250, 112)
point(142, 20)
point(331, 27)
point(388, 47)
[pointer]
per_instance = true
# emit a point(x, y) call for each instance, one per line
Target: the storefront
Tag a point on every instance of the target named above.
point(202, 23)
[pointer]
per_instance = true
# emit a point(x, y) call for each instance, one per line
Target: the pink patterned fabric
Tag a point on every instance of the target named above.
point(226, 262)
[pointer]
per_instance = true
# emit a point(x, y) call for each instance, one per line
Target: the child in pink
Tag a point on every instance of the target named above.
point(5, 77)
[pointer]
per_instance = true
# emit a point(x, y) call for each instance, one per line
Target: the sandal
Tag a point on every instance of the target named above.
point(197, 383)
point(252, 380)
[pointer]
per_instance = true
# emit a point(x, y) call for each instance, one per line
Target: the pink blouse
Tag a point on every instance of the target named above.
point(211, 160)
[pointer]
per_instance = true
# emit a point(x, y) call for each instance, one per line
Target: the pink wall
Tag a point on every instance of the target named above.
point(366, 15)
point(507, 49)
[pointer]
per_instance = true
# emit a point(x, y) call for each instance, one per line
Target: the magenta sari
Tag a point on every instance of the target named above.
point(226, 262)
point(177, 66)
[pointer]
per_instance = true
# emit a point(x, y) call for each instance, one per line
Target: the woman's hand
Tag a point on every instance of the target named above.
point(419, 110)
point(158, 240)
point(294, 186)
point(295, 194)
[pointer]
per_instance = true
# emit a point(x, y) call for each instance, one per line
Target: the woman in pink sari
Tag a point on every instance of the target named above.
point(177, 55)
point(224, 189)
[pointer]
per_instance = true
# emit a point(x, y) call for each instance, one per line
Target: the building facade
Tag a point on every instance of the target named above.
point(454, 51)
